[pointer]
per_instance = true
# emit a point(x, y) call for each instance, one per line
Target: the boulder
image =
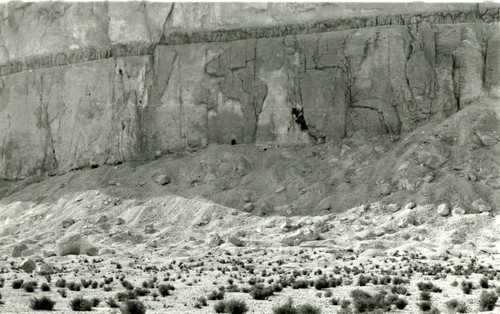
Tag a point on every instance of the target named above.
point(486, 138)
point(102, 218)
point(280, 189)
point(120, 221)
point(248, 207)
point(235, 240)
point(106, 226)
point(393, 207)
point(385, 189)
point(300, 236)
point(443, 210)
point(149, 229)
point(49, 253)
point(106, 251)
point(458, 211)
point(214, 240)
point(44, 269)
point(16, 251)
point(243, 167)
point(481, 206)
point(410, 205)
point(433, 156)
point(74, 244)
point(68, 222)
point(286, 225)
point(27, 252)
point(162, 179)
point(28, 265)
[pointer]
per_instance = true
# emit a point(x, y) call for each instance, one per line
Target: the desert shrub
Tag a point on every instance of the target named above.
point(164, 289)
point(126, 295)
point(45, 287)
point(127, 285)
point(321, 283)
point(334, 301)
point(467, 287)
point(30, 286)
point(94, 285)
point(95, 301)
point(457, 306)
point(454, 283)
point(363, 280)
point(425, 296)
point(425, 306)
point(216, 295)
point(286, 308)
point(399, 290)
point(16, 284)
point(133, 307)
point(220, 307)
point(365, 302)
point(62, 292)
point(345, 303)
point(74, 286)
point(399, 281)
point(277, 287)
point(112, 303)
point(61, 283)
point(428, 286)
point(259, 292)
point(202, 301)
point(300, 284)
point(483, 283)
point(85, 283)
point(80, 304)
point(335, 282)
point(141, 291)
point(234, 306)
point(487, 301)
point(309, 309)
point(42, 304)
point(400, 303)
point(328, 294)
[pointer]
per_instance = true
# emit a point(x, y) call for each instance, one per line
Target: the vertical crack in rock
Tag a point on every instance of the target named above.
point(347, 69)
point(484, 46)
point(455, 79)
point(168, 22)
point(50, 163)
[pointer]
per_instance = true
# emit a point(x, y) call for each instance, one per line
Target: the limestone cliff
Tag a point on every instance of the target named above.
point(90, 83)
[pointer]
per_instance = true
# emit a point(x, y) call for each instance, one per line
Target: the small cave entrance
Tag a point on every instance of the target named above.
point(233, 142)
point(298, 115)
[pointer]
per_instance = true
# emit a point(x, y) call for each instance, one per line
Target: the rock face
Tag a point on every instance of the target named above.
point(91, 83)
point(74, 244)
point(18, 249)
point(300, 236)
point(28, 265)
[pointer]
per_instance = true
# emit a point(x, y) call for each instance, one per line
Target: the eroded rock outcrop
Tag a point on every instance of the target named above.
point(84, 84)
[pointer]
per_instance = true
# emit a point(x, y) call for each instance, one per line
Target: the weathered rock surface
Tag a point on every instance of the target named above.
point(91, 83)
point(74, 244)
point(214, 240)
point(44, 269)
point(18, 249)
point(28, 265)
point(300, 236)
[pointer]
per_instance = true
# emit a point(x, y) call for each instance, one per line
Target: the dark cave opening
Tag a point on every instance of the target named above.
point(233, 142)
point(298, 114)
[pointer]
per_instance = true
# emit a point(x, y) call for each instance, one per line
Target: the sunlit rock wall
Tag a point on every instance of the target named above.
point(86, 84)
